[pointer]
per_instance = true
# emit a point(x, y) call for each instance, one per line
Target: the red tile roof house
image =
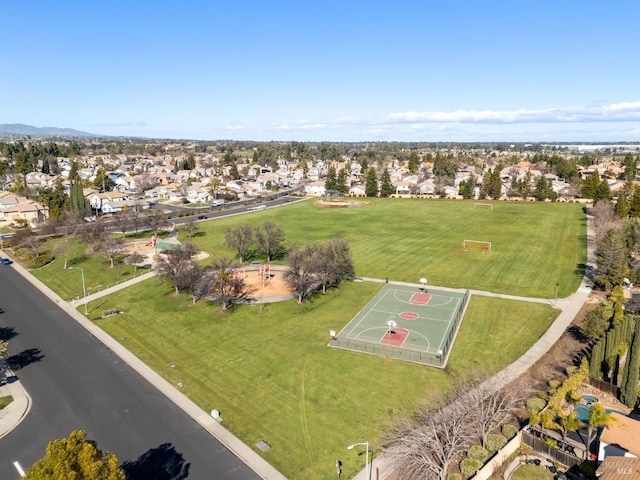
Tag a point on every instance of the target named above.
point(622, 439)
point(619, 468)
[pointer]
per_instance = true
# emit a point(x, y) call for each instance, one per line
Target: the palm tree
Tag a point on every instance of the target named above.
point(598, 417)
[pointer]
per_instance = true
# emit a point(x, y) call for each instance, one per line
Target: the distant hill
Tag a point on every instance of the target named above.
point(21, 130)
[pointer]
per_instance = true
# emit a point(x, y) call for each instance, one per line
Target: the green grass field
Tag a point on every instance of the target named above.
point(269, 371)
point(534, 245)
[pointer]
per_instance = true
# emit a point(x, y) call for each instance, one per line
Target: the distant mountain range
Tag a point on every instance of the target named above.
point(21, 130)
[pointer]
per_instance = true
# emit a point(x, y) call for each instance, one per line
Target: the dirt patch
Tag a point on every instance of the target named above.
point(273, 285)
point(340, 203)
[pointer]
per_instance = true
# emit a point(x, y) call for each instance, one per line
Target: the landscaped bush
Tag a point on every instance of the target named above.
point(495, 442)
point(536, 404)
point(469, 466)
point(477, 452)
point(509, 431)
point(554, 384)
point(571, 370)
point(40, 260)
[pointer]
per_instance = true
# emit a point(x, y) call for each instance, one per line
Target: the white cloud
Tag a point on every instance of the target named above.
point(617, 112)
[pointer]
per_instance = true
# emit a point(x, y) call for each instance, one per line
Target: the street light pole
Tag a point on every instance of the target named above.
point(84, 289)
point(366, 461)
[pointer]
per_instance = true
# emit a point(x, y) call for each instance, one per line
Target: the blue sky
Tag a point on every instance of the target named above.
point(345, 70)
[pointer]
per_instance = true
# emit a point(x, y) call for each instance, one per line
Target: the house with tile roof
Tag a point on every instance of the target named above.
point(622, 439)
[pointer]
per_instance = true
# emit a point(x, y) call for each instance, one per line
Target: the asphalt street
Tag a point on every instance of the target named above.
point(76, 382)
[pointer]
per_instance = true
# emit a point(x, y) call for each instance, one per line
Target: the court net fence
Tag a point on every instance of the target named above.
point(407, 352)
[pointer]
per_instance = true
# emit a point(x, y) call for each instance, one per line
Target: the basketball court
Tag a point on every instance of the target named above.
point(411, 323)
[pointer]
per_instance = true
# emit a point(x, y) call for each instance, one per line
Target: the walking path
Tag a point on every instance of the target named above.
point(13, 414)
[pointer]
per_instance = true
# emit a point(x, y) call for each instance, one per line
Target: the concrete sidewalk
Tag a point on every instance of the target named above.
point(12, 414)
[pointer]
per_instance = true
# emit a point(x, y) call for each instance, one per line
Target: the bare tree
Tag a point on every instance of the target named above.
point(299, 276)
point(427, 449)
point(93, 232)
point(225, 287)
point(178, 266)
point(490, 407)
point(156, 219)
point(27, 240)
point(604, 219)
point(190, 226)
point(270, 239)
point(331, 261)
point(110, 247)
point(123, 221)
point(240, 239)
point(134, 259)
point(72, 223)
point(64, 250)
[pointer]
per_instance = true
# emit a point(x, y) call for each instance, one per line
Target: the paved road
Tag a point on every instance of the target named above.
point(76, 382)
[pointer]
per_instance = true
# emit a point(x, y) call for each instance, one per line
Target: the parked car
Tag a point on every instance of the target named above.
point(202, 217)
point(6, 261)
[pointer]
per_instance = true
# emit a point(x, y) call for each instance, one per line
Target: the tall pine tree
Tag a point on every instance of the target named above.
point(629, 389)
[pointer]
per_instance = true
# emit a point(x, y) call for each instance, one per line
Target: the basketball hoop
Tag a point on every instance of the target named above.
point(391, 324)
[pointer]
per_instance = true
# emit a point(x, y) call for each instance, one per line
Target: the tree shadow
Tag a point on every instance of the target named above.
point(160, 463)
point(24, 358)
point(7, 333)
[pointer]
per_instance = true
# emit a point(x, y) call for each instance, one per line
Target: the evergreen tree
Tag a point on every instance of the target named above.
point(233, 171)
point(629, 389)
point(45, 166)
point(634, 203)
point(256, 157)
point(603, 192)
point(414, 162)
point(589, 185)
point(371, 183)
point(386, 187)
point(612, 257)
point(542, 189)
point(622, 206)
point(466, 188)
point(330, 180)
point(630, 167)
point(341, 182)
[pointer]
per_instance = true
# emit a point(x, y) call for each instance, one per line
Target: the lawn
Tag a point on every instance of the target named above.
point(531, 472)
point(96, 269)
point(534, 245)
point(269, 371)
point(4, 401)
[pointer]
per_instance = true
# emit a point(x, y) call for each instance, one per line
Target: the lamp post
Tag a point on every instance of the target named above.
point(84, 290)
point(366, 461)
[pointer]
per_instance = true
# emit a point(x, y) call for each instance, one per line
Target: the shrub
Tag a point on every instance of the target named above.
point(477, 452)
point(495, 442)
point(571, 370)
point(455, 476)
point(41, 260)
point(509, 431)
point(554, 384)
point(541, 395)
point(469, 466)
point(536, 404)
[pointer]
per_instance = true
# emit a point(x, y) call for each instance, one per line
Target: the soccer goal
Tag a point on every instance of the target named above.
point(476, 246)
point(483, 206)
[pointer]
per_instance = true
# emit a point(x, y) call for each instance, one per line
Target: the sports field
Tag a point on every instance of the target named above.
point(534, 245)
point(409, 323)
